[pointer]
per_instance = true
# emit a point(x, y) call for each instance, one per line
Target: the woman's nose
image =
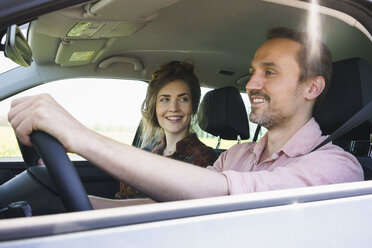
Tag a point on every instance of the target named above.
point(173, 106)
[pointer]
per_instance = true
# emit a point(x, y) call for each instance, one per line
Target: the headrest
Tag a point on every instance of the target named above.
point(350, 90)
point(222, 113)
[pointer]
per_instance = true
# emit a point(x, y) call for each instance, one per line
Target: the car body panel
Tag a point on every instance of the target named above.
point(277, 218)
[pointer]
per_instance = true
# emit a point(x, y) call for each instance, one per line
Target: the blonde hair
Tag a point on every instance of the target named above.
point(152, 134)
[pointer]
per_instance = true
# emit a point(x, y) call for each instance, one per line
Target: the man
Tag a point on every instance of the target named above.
point(287, 78)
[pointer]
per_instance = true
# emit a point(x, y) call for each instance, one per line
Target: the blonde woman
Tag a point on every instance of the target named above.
point(171, 103)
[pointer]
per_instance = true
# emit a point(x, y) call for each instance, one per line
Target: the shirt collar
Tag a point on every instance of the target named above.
point(304, 140)
point(259, 146)
point(299, 144)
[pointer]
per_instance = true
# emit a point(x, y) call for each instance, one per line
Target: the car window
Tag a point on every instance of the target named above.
point(108, 106)
point(6, 64)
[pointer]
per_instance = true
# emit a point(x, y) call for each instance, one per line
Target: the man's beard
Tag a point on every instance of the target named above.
point(269, 119)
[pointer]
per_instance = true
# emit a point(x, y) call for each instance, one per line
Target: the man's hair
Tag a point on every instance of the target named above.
point(312, 64)
point(175, 70)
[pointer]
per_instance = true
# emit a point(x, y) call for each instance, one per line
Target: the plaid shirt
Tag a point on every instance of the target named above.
point(190, 150)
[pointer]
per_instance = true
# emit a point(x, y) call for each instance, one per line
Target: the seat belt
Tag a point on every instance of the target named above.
point(361, 116)
point(255, 137)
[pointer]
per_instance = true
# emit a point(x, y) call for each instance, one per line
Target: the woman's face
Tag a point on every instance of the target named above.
point(174, 108)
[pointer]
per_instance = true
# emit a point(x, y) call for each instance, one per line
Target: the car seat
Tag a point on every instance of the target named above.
point(222, 113)
point(350, 90)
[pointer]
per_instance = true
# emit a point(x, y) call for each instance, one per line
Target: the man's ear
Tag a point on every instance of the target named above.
point(316, 87)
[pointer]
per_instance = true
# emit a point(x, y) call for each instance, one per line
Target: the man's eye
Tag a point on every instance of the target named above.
point(269, 73)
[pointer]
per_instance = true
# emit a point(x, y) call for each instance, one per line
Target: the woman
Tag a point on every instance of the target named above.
point(171, 104)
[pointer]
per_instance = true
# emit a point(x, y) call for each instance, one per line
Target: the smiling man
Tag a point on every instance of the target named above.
point(286, 83)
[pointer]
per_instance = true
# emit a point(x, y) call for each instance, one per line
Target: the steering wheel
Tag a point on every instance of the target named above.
point(60, 168)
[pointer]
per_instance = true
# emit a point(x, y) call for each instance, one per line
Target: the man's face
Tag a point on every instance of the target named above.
point(274, 91)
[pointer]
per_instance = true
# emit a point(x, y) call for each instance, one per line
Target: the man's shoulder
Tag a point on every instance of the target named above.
point(333, 154)
point(241, 147)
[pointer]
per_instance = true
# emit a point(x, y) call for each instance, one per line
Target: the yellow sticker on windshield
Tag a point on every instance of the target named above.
point(81, 56)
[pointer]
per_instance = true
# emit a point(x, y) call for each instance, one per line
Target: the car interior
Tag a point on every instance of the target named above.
point(351, 83)
point(223, 114)
point(126, 39)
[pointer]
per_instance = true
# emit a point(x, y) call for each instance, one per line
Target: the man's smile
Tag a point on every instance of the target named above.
point(258, 100)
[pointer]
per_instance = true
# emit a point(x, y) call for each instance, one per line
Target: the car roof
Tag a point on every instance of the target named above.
point(110, 38)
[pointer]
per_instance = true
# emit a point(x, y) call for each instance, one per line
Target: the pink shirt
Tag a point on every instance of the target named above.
point(292, 166)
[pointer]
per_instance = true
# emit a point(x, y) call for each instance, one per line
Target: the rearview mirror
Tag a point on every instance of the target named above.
point(17, 48)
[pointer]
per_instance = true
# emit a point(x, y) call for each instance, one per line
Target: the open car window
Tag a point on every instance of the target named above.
point(111, 107)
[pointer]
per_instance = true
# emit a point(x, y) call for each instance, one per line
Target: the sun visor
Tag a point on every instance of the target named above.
point(136, 10)
point(85, 28)
point(101, 19)
point(98, 29)
point(77, 52)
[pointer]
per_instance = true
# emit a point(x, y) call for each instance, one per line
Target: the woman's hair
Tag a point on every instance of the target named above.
point(152, 133)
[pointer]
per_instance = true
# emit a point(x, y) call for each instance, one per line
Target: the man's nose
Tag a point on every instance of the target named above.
point(254, 83)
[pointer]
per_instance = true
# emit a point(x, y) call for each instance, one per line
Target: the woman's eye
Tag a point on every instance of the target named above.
point(184, 99)
point(164, 100)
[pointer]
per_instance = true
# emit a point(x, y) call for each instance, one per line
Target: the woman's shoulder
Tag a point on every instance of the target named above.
point(193, 141)
point(196, 152)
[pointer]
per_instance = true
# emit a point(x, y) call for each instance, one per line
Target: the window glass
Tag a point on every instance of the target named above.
point(5, 63)
point(110, 107)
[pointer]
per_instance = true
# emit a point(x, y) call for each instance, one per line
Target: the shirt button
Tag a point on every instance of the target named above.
point(254, 165)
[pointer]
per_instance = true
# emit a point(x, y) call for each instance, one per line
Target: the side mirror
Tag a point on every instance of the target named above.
point(17, 48)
